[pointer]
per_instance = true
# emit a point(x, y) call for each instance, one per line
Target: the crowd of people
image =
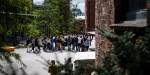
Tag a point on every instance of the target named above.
point(76, 42)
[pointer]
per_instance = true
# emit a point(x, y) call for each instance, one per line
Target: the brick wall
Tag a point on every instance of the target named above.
point(148, 14)
point(104, 16)
point(90, 14)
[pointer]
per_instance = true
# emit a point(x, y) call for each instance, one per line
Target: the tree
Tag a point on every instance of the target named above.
point(67, 19)
point(49, 17)
point(14, 14)
point(13, 20)
point(56, 17)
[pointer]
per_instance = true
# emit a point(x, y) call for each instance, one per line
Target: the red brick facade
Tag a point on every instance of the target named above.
point(90, 14)
point(104, 17)
point(80, 26)
point(148, 16)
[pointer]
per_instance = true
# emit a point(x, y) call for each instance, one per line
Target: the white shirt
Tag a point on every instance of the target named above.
point(79, 40)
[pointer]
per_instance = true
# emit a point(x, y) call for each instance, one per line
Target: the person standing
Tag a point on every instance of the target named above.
point(79, 43)
point(28, 44)
point(37, 43)
point(53, 70)
point(69, 43)
point(59, 43)
point(76, 43)
point(33, 43)
point(87, 43)
point(73, 42)
point(69, 67)
point(53, 41)
point(44, 42)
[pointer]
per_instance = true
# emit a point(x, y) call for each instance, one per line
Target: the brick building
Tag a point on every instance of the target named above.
point(122, 14)
point(80, 19)
point(80, 24)
point(90, 15)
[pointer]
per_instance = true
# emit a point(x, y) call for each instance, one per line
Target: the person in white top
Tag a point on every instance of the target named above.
point(79, 43)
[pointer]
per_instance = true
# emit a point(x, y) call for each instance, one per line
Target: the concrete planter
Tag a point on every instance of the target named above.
point(8, 48)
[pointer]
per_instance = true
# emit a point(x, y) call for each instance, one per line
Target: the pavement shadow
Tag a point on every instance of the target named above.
point(13, 68)
point(44, 62)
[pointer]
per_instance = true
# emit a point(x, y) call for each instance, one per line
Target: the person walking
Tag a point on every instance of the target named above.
point(73, 43)
point(63, 43)
point(59, 43)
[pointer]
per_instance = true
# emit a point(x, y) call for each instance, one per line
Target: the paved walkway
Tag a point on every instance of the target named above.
point(36, 64)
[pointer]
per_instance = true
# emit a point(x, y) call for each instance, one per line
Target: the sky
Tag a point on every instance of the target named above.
point(80, 3)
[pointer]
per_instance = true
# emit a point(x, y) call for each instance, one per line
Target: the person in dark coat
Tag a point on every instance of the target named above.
point(53, 70)
point(37, 43)
point(69, 67)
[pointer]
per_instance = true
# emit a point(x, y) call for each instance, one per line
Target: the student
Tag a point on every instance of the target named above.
point(69, 67)
point(76, 43)
point(33, 44)
point(53, 70)
point(44, 42)
point(79, 43)
point(87, 44)
point(37, 43)
point(69, 43)
point(28, 44)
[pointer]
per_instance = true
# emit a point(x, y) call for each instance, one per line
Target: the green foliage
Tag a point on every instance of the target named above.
point(12, 20)
point(32, 31)
point(130, 52)
point(49, 17)
point(109, 66)
point(1, 29)
point(56, 17)
point(15, 6)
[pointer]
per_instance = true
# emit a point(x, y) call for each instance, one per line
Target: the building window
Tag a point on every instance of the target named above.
point(128, 10)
